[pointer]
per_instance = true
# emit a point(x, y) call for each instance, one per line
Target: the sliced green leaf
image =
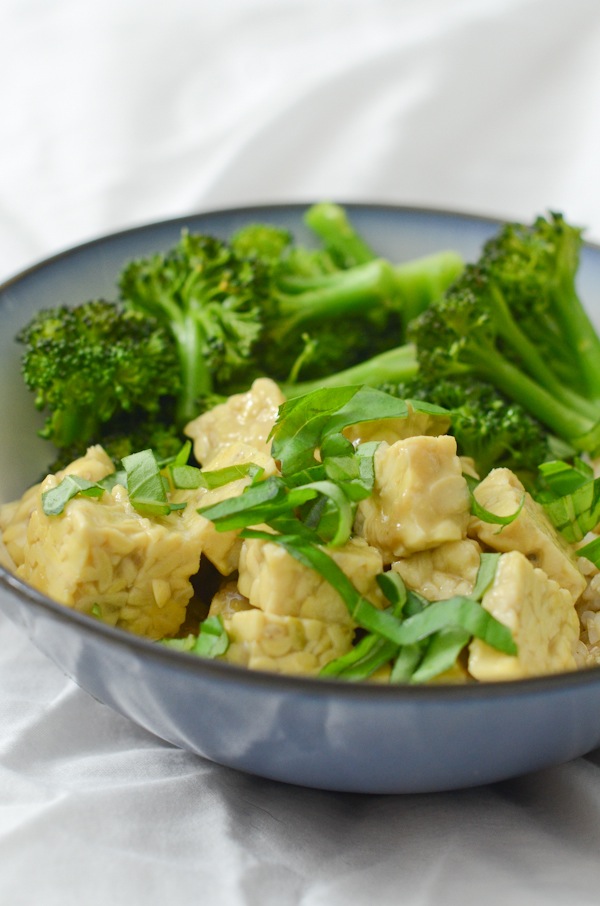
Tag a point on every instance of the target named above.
point(145, 484)
point(191, 477)
point(441, 653)
point(304, 423)
point(460, 612)
point(337, 446)
point(299, 428)
point(493, 518)
point(576, 514)
point(361, 662)
point(259, 503)
point(185, 477)
point(212, 640)
point(366, 405)
point(591, 551)
point(563, 478)
point(344, 511)
point(488, 564)
point(394, 588)
point(406, 662)
point(55, 499)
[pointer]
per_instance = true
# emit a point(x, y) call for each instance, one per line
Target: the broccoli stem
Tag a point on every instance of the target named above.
point(330, 223)
point(416, 282)
point(580, 334)
point(491, 366)
point(409, 287)
point(346, 292)
point(67, 426)
point(394, 366)
point(422, 280)
point(532, 359)
point(196, 379)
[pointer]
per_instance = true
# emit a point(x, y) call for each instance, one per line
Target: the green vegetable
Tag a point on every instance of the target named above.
point(576, 513)
point(342, 281)
point(331, 224)
point(417, 282)
point(208, 298)
point(145, 485)
point(140, 476)
point(559, 477)
point(570, 496)
point(305, 422)
point(100, 373)
point(55, 499)
point(507, 348)
point(308, 297)
point(591, 551)
point(212, 640)
point(432, 636)
point(514, 320)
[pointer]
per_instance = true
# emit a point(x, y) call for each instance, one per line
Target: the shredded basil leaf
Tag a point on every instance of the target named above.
point(576, 514)
point(55, 499)
point(591, 551)
point(212, 640)
point(145, 484)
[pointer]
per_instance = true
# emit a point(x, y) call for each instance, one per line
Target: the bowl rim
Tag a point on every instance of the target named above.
point(314, 686)
point(256, 208)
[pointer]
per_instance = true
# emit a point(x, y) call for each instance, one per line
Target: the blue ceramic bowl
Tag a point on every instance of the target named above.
point(319, 733)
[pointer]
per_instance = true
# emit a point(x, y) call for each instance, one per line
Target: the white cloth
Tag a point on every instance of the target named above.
point(118, 112)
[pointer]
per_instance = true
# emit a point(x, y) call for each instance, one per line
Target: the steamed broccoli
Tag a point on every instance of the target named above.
point(317, 317)
point(417, 282)
point(505, 321)
point(209, 299)
point(199, 322)
point(99, 371)
point(479, 328)
point(231, 316)
point(529, 274)
point(331, 306)
point(329, 322)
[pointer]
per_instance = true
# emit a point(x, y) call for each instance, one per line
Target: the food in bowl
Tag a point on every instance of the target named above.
point(399, 519)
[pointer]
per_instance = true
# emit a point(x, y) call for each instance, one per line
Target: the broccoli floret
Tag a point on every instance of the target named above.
point(417, 282)
point(472, 331)
point(505, 322)
point(344, 316)
point(330, 222)
point(309, 297)
point(332, 306)
point(95, 364)
point(529, 274)
point(263, 241)
point(129, 433)
point(209, 298)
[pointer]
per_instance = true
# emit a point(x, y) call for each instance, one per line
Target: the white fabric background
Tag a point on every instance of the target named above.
point(118, 112)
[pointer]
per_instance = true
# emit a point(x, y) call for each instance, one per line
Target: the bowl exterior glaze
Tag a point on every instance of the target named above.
point(322, 734)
